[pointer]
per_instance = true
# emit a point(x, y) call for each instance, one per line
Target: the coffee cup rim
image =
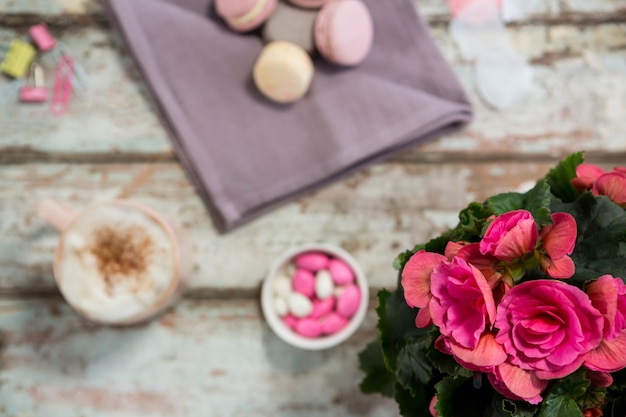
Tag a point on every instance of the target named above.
point(175, 281)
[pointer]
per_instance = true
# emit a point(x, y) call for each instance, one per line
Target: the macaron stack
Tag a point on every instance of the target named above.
point(341, 31)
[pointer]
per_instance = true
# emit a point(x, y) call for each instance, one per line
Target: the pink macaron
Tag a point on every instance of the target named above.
point(309, 4)
point(344, 32)
point(244, 15)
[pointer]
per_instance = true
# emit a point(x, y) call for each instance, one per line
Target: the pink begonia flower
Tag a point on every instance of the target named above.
point(599, 379)
point(516, 383)
point(608, 295)
point(431, 406)
point(586, 176)
point(612, 185)
point(489, 357)
point(558, 240)
point(485, 263)
point(510, 236)
point(487, 354)
point(452, 248)
point(462, 303)
point(416, 283)
point(548, 327)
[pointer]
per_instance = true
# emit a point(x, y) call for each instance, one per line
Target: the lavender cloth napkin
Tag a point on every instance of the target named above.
point(247, 155)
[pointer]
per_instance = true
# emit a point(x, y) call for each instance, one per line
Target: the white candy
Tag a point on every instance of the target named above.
point(289, 269)
point(323, 284)
point(280, 306)
point(299, 305)
point(282, 285)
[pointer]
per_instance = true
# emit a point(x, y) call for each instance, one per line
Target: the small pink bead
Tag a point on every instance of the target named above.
point(349, 300)
point(322, 307)
point(290, 320)
point(333, 322)
point(313, 261)
point(308, 328)
point(340, 271)
point(304, 282)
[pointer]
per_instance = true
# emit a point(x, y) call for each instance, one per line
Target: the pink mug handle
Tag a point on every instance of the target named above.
point(57, 214)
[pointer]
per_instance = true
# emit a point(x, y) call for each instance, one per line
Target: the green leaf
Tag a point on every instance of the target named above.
point(472, 219)
point(377, 378)
point(536, 201)
point(396, 323)
point(561, 399)
point(560, 177)
point(412, 366)
point(561, 406)
point(601, 242)
point(515, 408)
point(575, 385)
point(457, 397)
point(413, 405)
point(438, 244)
point(448, 397)
point(505, 202)
point(446, 364)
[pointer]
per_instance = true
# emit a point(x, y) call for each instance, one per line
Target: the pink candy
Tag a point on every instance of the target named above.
point(342, 274)
point(290, 320)
point(313, 261)
point(333, 322)
point(348, 301)
point(304, 282)
point(322, 307)
point(308, 328)
point(331, 314)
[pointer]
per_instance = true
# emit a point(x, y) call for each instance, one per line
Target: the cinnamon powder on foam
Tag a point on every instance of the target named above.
point(122, 255)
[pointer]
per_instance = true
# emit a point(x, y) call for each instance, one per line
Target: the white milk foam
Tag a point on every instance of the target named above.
point(117, 262)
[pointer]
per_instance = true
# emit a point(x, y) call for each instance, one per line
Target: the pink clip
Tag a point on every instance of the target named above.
point(62, 85)
point(35, 93)
point(42, 37)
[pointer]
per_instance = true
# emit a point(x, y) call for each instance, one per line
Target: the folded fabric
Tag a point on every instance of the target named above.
point(247, 155)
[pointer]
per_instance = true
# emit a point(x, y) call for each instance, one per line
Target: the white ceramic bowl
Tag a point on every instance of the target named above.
point(286, 333)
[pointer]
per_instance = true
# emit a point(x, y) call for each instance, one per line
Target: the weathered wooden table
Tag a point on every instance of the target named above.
point(213, 354)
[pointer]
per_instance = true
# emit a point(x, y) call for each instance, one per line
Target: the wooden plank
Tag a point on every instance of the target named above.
point(212, 358)
point(436, 11)
point(116, 116)
point(50, 8)
point(576, 103)
point(581, 12)
point(374, 215)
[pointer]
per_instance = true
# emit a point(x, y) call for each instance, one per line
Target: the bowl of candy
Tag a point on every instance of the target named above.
point(314, 296)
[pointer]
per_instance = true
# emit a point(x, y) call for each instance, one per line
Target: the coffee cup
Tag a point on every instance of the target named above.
point(118, 262)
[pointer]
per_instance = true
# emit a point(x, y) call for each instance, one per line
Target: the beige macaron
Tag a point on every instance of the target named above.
point(283, 72)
